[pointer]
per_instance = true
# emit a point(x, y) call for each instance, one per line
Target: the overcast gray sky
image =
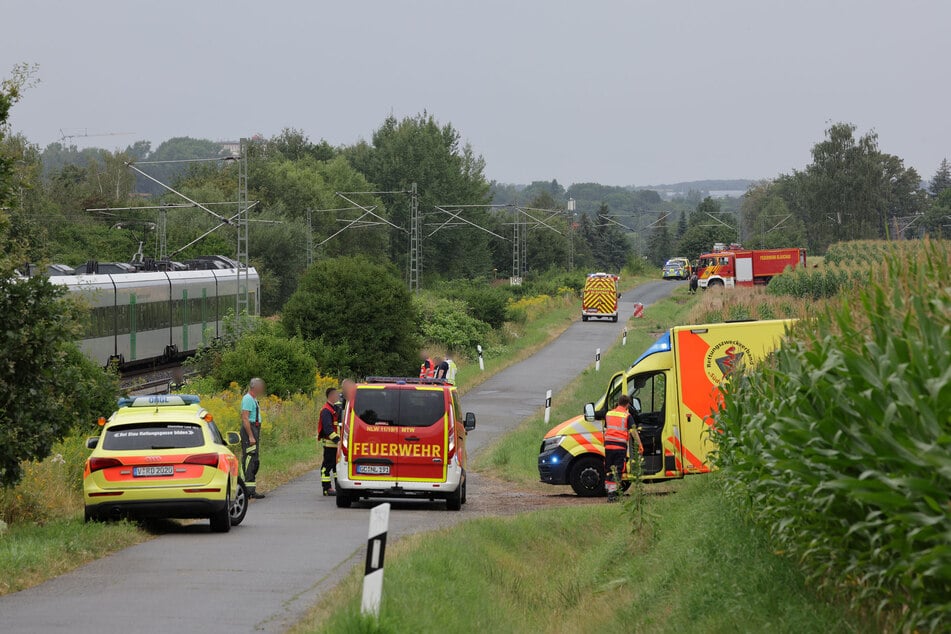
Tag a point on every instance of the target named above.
point(637, 92)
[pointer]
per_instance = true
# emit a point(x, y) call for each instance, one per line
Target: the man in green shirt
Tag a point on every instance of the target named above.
point(251, 435)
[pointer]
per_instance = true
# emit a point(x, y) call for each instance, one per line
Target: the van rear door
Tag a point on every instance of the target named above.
point(425, 420)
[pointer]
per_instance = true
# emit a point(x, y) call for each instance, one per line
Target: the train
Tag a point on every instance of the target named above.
point(141, 318)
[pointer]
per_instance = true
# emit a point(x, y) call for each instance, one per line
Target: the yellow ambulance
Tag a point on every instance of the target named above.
point(599, 298)
point(674, 388)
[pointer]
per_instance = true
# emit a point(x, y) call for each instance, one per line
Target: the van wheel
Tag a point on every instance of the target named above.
point(587, 476)
point(88, 516)
point(584, 318)
point(454, 501)
point(464, 490)
point(343, 500)
point(221, 521)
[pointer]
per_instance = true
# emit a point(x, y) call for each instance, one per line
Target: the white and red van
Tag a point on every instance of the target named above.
point(403, 437)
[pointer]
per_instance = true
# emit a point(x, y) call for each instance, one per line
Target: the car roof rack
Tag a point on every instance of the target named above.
point(404, 380)
point(159, 400)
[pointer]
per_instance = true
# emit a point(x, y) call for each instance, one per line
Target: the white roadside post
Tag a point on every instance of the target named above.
point(481, 361)
point(624, 337)
point(547, 406)
point(597, 360)
point(373, 572)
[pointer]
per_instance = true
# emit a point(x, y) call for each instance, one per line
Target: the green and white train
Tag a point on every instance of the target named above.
point(152, 317)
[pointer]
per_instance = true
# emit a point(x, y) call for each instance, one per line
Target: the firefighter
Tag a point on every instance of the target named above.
point(328, 436)
point(618, 428)
point(427, 370)
point(251, 435)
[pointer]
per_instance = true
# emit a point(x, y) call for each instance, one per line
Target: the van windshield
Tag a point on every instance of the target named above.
point(403, 408)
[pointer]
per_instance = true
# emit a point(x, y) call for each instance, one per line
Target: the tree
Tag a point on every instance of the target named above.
point(707, 226)
point(942, 178)
point(47, 387)
point(852, 190)
point(358, 316)
point(447, 172)
point(682, 224)
point(659, 244)
point(606, 239)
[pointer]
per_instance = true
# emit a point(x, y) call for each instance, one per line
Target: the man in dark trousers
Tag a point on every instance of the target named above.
point(618, 428)
point(251, 436)
point(328, 436)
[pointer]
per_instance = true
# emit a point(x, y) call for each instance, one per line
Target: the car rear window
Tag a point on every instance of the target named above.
point(147, 436)
point(404, 408)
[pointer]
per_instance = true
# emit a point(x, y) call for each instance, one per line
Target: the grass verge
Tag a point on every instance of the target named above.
point(581, 569)
point(514, 457)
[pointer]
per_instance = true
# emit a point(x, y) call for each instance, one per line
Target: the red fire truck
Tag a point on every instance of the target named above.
point(736, 266)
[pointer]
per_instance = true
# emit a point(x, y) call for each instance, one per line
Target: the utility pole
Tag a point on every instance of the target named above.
point(242, 299)
point(310, 238)
point(571, 234)
point(415, 244)
point(162, 235)
point(517, 248)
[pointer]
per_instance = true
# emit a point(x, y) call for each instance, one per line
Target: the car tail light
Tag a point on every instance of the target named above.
point(207, 459)
point(98, 464)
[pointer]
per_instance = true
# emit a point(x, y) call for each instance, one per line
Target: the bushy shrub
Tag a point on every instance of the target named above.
point(446, 323)
point(357, 316)
point(482, 301)
point(285, 364)
point(841, 445)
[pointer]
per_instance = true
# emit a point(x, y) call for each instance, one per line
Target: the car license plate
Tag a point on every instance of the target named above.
point(152, 471)
point(373, 469)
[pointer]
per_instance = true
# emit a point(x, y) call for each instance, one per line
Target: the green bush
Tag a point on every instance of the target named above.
point(286, 365)
point(357, 316)
point(483, 302)
point(445, 322)
point(841, 446)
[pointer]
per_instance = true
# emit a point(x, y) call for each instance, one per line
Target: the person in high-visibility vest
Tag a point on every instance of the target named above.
point(619, 427)
point(427, 370)
point(328, 436)
point(451, 369)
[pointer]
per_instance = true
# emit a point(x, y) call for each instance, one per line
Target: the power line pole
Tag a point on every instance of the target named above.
point(241, 299)
point(415, 244)
point(310, 238)
point(162, 231)
point(571, 234)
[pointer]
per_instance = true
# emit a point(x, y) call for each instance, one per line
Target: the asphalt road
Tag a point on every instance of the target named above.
point(294, 545)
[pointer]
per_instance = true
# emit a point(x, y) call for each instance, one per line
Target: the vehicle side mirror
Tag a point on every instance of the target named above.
point(589, 412)
point(470, 421)
point(636, 404)
point(92, 442)
point(233, 438)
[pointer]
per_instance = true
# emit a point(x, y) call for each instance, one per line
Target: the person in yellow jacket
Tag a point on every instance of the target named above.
point(328, 435)
point(618, 429)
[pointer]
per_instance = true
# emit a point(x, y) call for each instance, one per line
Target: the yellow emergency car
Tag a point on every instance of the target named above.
point(163, 457)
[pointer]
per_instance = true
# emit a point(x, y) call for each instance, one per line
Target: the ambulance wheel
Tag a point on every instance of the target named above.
point(454, 500)
point(464, 490)
point(587, 476)
point(614, 319)
point(584, 318)
point(343, 500)
point(221, 521)
point(239, 505)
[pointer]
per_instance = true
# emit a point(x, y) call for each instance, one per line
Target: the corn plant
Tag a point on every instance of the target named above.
point(841, 445)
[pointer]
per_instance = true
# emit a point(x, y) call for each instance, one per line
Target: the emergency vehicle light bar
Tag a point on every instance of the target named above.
point(402, 380)
point(158, 400)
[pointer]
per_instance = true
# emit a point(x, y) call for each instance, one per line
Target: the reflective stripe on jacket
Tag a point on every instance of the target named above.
point(615, 428)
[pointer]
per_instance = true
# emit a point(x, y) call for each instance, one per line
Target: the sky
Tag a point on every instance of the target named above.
point(622, 93)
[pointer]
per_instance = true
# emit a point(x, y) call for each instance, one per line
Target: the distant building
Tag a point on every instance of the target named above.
point(232, 148)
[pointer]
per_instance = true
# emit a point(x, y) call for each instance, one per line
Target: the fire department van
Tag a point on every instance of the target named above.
point(600, 295)
point(674, 389)
point(403, 437)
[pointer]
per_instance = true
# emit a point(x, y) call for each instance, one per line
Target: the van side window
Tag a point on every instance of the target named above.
point(651, 389)
point(614, 390)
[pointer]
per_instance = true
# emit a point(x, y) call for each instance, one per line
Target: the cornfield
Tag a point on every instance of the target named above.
point(869, 251)
point(841, 446)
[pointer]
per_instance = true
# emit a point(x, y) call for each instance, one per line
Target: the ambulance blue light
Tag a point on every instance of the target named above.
point(661, 345)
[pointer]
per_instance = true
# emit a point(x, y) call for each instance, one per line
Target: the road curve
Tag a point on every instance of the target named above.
point(295, 544)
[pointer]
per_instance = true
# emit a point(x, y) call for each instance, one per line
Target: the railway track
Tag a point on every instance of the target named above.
point(156, 380)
